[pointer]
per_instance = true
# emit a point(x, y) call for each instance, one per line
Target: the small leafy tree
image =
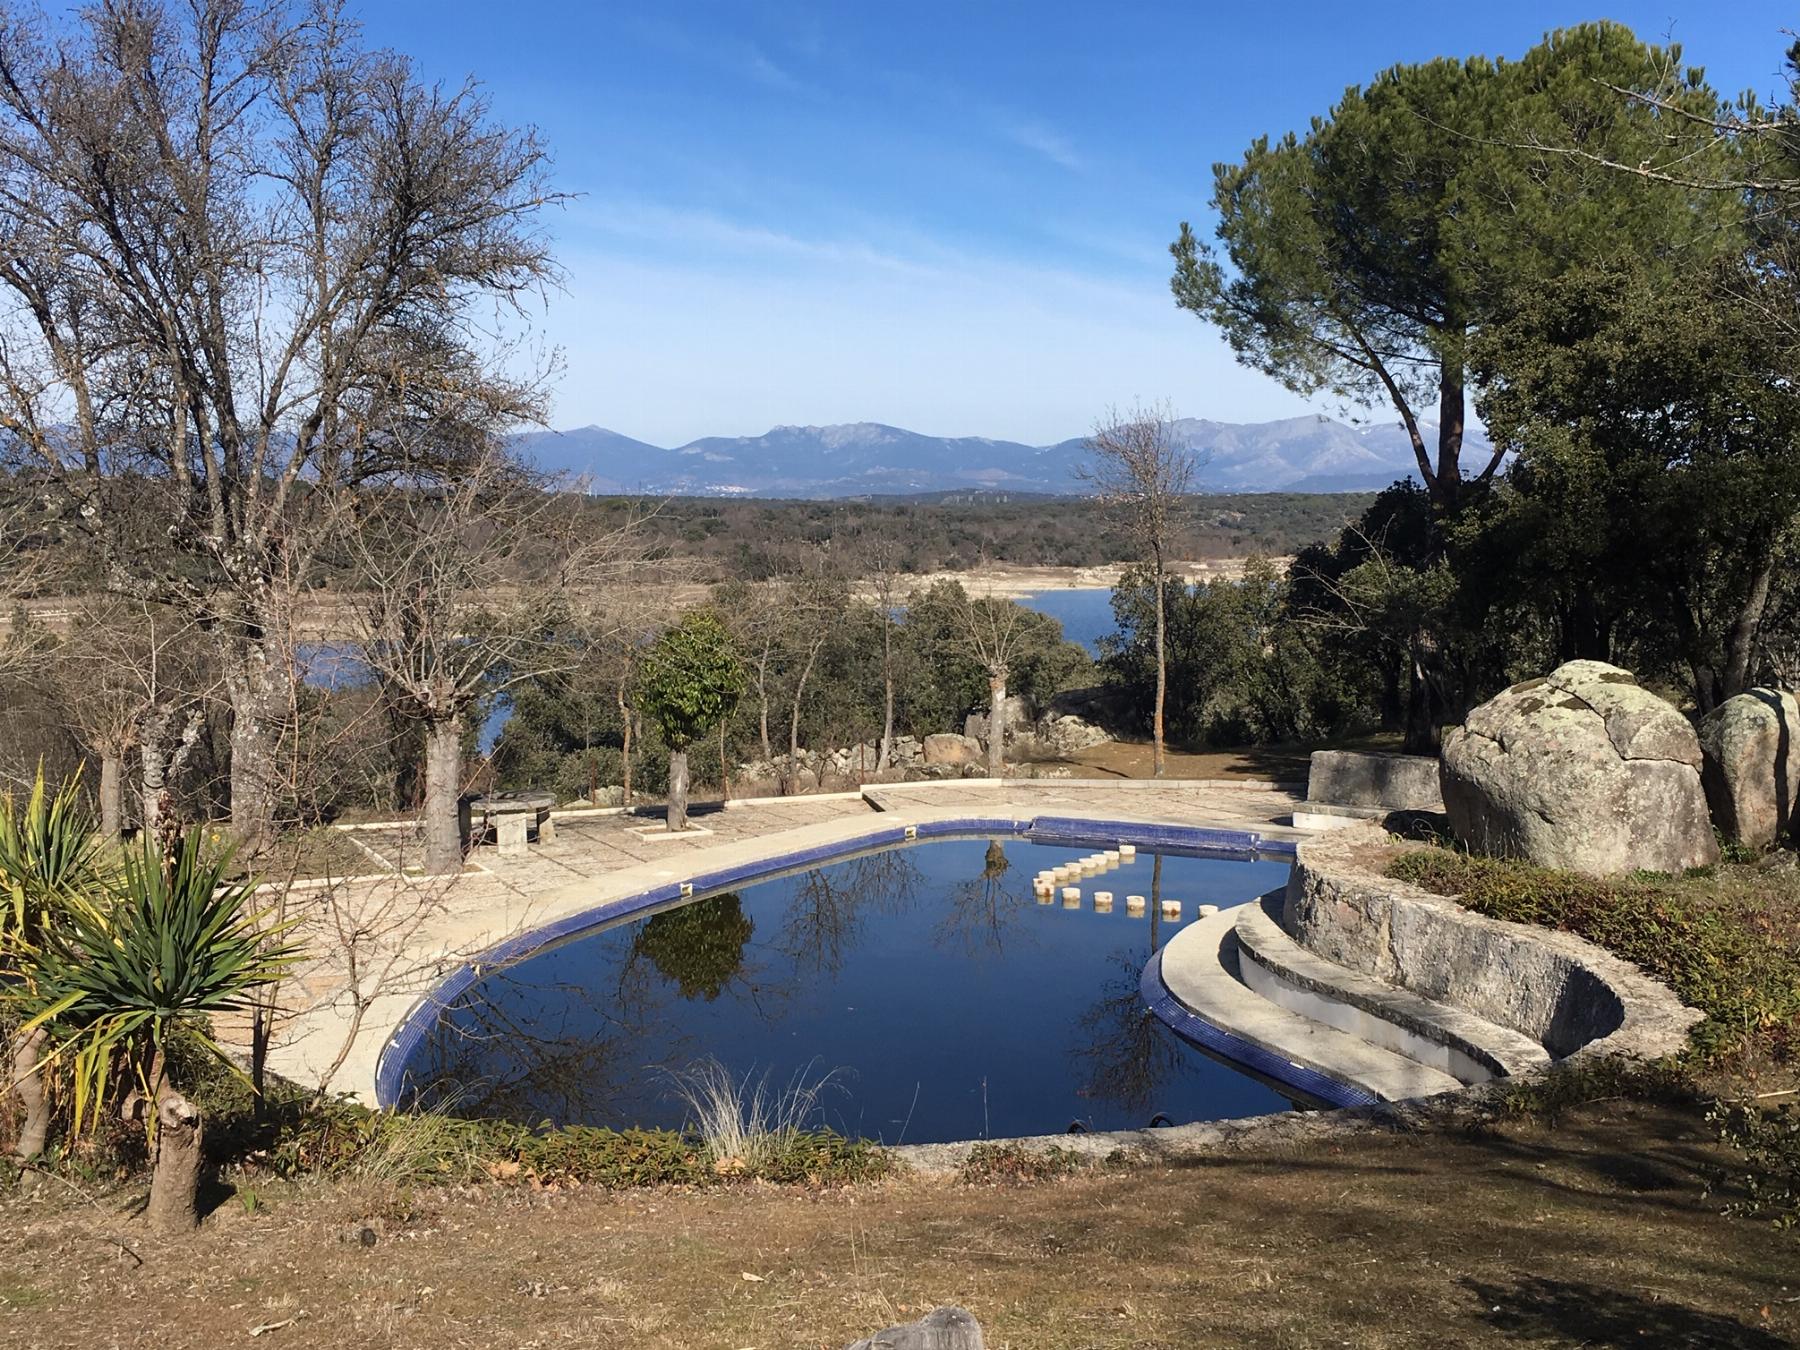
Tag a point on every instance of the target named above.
point(128, 969)
point(691, 681)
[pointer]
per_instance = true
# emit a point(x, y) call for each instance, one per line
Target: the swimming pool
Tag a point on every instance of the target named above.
point(943, 997)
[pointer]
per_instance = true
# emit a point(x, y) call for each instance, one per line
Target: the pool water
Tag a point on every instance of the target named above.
point(940, 998)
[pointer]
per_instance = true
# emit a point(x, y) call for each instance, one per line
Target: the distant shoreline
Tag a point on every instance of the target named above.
point(1009, 582)
point(326, 617)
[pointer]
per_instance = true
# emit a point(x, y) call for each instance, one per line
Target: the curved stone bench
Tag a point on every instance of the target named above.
point(1470, 1048)
point(1380, 988)
point(1566, 994)
point(1199, 970)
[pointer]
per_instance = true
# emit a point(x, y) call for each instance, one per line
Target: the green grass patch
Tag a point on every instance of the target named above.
point(428, 1147)
point(1767, 1142)
point(1013, 1164)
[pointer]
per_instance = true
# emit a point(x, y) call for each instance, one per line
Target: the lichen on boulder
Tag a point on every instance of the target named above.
point(1583, 770)
point(1752, 768)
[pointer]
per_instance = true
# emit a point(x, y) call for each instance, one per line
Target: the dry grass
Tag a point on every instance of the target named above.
point(1594, 1235)
point(745, 1124)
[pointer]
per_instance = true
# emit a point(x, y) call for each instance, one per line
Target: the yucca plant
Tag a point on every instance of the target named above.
point(48, 851)
point(175, 943)
point(50, 860)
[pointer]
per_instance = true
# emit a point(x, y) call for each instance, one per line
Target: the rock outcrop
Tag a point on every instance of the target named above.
point(1582, 770)
point(939, 1329)
point(1016, 715)
point(1059, 735)
point(1752, 765)
point(946, 747)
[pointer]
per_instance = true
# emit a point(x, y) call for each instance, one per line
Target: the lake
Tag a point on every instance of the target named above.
point(1085, 615)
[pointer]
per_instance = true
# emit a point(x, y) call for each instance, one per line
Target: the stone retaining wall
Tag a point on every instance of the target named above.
point(1376, 780)
point(1561, 991)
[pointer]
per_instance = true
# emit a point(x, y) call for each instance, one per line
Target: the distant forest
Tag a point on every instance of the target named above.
point(757, 539)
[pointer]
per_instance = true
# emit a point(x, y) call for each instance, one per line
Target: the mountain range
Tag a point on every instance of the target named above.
point(861, 459)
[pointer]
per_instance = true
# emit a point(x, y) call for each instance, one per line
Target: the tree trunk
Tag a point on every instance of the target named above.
point(443, 786)
point(1424, 702)
point(791, 779)
point(155, 762)
point(1740, 640)
point(112, 794)
point(1452, 405)
point(624, 748)
point(28, 1086)
point(762, 702)
point(163, 755)
point(724, 766)
point(255, 687)
point(175, 1178)
point(1162, 674)
point(996, 746)
point(885, 752)
point(678, 791)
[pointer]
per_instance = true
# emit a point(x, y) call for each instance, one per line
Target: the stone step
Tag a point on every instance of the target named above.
point(1435, 1034)
point(1198, 970)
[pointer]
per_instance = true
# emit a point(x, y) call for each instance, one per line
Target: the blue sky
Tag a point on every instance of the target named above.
point(949, 217)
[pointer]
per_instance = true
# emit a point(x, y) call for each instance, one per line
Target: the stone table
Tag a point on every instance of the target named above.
point(512, 814)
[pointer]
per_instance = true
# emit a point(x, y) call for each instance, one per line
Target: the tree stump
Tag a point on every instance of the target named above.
point(175, 1179)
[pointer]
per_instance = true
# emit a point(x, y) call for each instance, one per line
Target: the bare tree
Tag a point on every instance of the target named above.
point(469, 589)
point(814, 606)
point(27, 569)
point(1138, 470)
point(994, 629)
point(130, 676)
point(756, 614)
point(235, 239)
point(884, 584)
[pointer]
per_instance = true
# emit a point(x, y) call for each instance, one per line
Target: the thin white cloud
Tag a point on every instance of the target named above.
point(763, 70)
point(727, 55)
point(1043, 141)
point(712, 243)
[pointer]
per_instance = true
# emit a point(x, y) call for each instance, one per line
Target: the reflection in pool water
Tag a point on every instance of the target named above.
point(947, 1002)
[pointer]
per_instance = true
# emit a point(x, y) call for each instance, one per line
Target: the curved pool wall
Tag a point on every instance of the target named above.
point(1217, 1040)
point(392, 1087)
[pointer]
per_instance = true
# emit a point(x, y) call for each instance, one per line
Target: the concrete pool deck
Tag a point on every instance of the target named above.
point(377, 944)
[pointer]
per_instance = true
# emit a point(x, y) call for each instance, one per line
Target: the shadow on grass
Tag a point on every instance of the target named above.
point(1545, 1309)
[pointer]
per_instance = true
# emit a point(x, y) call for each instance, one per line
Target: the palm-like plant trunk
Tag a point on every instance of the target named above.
point(175, 1178)
point(443, 785)
point(28, 1087)
point(678, 791)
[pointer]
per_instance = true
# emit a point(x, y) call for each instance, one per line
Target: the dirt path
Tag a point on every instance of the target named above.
point(1597, 1235)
